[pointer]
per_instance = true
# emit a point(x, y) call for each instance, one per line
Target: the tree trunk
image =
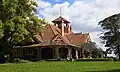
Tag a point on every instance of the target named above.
point(0, 6)
point(106, 54)
point(0, 3)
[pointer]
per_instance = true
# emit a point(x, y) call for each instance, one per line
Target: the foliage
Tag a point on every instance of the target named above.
point(1, 29)
point(2, 58)
point(108, 51)
point(111, 27)
point(54, 60)
point(92, 50)
point(95, 59)
point(18, 24)
point(17, 60)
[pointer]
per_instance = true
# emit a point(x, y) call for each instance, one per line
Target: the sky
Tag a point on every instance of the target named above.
point(84, 15)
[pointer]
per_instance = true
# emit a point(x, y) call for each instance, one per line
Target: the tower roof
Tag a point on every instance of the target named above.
point(60, 19)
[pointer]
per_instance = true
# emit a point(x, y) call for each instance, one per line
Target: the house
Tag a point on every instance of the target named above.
point(57, 41)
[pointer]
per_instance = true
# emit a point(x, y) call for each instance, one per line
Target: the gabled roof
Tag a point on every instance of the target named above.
point(38, 38)
point(78, 38)
point(60, 19)
point(52, 34)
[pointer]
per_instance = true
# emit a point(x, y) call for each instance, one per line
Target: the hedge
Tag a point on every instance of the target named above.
point(96, 59)
point(55, 60)
point(17, 60)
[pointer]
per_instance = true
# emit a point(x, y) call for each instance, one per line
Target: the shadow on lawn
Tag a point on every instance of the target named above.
point(114, 70)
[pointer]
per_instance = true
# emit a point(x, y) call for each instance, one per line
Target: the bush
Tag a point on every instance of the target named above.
point(96, 59)
point(62, 59)
point(115, 59)
point(53, 60)
point(17, 60)
point(2, 58)
point(58, 59)
point(24, 61)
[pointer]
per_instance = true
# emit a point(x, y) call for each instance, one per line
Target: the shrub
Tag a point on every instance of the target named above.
point(96, 59)
point(24, 61)
point(115, 59)
point(2, 58)
point(17, 60)
point(53, 59)
point(62, 59)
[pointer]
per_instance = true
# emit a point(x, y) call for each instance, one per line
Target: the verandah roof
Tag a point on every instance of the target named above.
point(45, 44)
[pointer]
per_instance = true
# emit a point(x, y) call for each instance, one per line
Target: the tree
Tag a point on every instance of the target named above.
point(108, 51)
point(18, 23)
point(94, 50)
point(111, 27)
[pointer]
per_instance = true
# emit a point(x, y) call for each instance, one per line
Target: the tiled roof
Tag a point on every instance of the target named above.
point(78, 38)
point(59, 19)
point(38, 38)
point(53, 33)
point(43, 44)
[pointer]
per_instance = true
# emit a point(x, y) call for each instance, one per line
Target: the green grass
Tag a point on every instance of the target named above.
point(61, 67)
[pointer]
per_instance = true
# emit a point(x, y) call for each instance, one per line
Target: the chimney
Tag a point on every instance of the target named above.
point(62, 29)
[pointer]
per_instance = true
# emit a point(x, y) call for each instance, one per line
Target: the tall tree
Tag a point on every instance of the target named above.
point(18, 22)
point(111, 27)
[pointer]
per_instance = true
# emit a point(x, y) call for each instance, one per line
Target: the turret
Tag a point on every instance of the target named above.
point(63, 24)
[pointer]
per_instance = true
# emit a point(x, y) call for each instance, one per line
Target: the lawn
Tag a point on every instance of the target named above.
point(62, 67)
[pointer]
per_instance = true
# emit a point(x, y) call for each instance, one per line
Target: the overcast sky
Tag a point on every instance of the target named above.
point(84, 15)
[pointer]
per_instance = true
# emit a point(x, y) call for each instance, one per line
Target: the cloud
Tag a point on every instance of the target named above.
point(84, 16)
point(43, 4)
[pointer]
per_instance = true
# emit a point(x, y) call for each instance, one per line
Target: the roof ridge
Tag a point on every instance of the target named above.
point(54, 38)
point(55, 28)
point(60, 36)
point(58, 31)
point(41, 37)
point(78, 33)
point(65, 40)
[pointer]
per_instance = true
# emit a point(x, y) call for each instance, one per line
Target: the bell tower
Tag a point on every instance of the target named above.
point(62, 24)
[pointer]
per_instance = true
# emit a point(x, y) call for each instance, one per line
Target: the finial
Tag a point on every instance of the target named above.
point(60, 11)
